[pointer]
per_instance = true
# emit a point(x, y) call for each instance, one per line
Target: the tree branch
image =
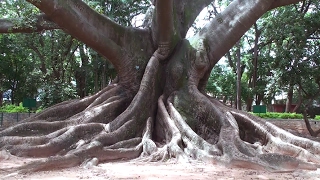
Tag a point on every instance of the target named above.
point(40, 23)
point(187, 11)
point(228, 27)
point(279, 3)
point(184, 14)
point(164, 9)
point(97, 31)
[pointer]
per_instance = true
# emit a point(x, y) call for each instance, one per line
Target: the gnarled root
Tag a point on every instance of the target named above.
point(67, 109)
point(243, 140)
point(184, 124)
point(86, 136)
point(103, 127)
point(206, 130)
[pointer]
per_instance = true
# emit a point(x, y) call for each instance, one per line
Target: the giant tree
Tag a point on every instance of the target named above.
point(156, 107)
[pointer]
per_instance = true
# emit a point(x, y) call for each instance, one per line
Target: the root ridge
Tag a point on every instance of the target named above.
point(206, 131)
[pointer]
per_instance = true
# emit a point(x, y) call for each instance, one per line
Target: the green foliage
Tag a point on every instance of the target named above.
point(288, 56)
point(13, 109)
point(121, 11)
point(57, 92)
point(294, 51)
point(17, 67)
point(222, 82)
point(317, 118)
point(50, 62)
point(22, 13)
point(48, 65)
point(274, 115)
point(39, 110)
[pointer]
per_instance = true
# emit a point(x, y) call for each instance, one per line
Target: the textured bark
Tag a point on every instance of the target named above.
point(157, 108)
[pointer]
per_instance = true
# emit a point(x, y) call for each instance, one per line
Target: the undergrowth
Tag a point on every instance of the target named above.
point(13, 109)
point(276, 115)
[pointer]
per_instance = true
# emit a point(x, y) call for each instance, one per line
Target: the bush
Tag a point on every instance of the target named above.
point(317, 118)
point(274, 115)
point(13, 109)
point(39, 110)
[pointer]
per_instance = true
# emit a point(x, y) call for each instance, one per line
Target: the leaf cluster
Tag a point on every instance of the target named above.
point(121, 11)
point(288, 54)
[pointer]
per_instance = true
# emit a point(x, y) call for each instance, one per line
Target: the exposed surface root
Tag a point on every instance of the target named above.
point(206, 131)
point(244, 140)
point(174, 141)
point(106, 126)
point(83, 136)
point(183, 124)
point(30, 128)
point(65, 110)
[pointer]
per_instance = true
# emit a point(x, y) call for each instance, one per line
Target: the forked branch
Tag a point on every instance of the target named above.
point(81, 21)
point(233, 22)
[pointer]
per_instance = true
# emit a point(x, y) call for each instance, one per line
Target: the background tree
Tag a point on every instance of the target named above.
point(220, 84)
point(158, 95)
point(294, 41)
point(54, 52)
point(17, 69)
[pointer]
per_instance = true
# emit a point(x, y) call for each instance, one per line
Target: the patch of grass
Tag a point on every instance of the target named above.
point(275, 115)
point(317, 118)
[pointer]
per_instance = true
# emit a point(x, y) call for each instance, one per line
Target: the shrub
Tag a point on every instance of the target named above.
point(39, 110)
point(275, 115)
point(317, 117)
point(13, 109)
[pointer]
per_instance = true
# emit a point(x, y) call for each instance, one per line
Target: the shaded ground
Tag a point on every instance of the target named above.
point(154, 170)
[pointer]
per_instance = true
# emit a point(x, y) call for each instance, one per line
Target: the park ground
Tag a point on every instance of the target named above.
point(156, 170)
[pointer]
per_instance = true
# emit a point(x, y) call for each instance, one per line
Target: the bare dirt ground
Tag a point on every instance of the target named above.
point(154, 170)
point(143, 170)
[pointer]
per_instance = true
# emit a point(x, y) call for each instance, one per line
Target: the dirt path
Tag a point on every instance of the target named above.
point(139, 170)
